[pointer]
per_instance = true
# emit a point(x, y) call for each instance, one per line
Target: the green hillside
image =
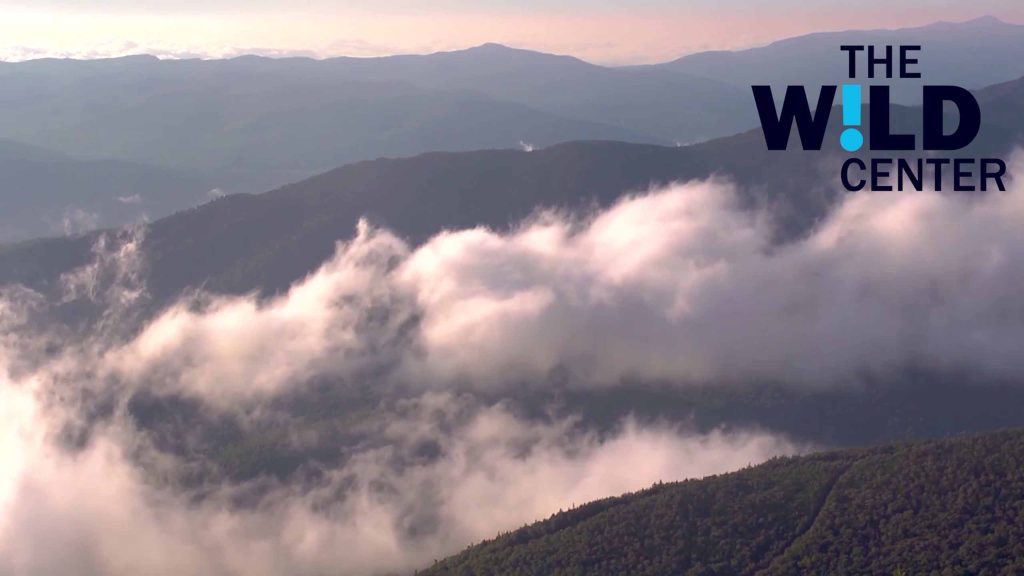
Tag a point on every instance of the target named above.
point(943, 507)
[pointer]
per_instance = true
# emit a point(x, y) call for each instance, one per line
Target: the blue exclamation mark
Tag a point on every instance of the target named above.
point(851, 139)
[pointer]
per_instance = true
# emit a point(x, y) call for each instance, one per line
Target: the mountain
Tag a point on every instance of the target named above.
point(1001, 106)
point(13, 150)
point(947, 507)
point(308, 114)
point(274, 116)
point(287, 118)
point(267, 241)
point(670, 107)
point(407, 399)
point(243, 244)
point(45, 193)
point(251, 124)
point(972, 54)
point(171, 158)
point(242, 125)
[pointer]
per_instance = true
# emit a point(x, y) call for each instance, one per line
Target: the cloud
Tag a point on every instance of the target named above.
point(75, 221)
point(87, 487)
point(387, 371)
point(682, 285)
point(440, 472)
point(677, 285)
point(340, 321)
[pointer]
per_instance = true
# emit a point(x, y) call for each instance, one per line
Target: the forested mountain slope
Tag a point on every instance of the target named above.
point(946, 507)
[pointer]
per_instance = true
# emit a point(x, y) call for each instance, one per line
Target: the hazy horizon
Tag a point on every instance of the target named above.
point(605, 35)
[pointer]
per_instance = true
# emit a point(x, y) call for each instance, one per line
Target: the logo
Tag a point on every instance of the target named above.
point(880, 172)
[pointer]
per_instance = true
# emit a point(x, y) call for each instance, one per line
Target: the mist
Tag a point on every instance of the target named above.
point(439, 472)
point(677, 285)
point(163, 448)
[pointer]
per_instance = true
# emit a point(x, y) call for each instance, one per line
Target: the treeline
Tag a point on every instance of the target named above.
point(950, 507)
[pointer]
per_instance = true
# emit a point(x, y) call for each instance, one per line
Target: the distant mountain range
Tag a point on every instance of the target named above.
point(48, 193)
point(267, 241)
point(263, 243)
point(949, 507)
point(250, 124)
point(972, 54)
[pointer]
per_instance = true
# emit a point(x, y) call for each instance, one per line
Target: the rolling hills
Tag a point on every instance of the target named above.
point(251, 124)
point(945, 507)
point(259, 113)
point(303, 114)
point(45, 193)
point(265, 242)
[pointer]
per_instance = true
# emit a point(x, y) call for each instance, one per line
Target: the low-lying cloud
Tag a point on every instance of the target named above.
point(683, 286)
point(676, 285)
point(422, 455)
point(441, 472)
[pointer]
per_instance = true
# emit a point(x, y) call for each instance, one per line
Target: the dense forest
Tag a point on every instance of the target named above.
point(942, 507)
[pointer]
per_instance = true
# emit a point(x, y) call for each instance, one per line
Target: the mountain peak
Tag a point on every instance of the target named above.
point(496, 49)
point(493, 51)
point(981, 21)
point(491, 47)
point(987, 19)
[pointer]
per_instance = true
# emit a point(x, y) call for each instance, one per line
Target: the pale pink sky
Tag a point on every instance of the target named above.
point(595, 30)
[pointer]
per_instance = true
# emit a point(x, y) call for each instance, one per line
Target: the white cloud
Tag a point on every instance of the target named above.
point(336, 322)
point(682, 285)
point(97, 512)
point(432, 472)
point(678, 284)
point(75, 221)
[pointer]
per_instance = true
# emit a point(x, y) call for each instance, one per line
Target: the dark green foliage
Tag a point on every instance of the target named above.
point(944, 507)
point(953, 507)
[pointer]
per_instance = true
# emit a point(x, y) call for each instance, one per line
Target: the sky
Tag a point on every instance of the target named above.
point(600, 31)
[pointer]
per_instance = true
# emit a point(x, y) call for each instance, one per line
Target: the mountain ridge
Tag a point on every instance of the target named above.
point(421, 195)
point(972, 54)
point(497, 47)
point(252, 123)
point(848, 512)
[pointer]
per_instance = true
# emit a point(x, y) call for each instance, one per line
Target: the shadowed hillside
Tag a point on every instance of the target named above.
point(265, 242)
